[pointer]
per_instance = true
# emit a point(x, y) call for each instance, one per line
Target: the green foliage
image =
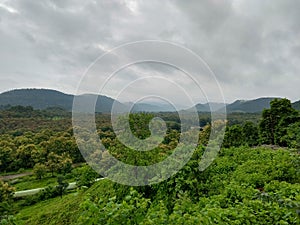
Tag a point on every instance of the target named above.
point(131, 210)
point(6, 194)
point(6, 191)
point(251, 134)
point(244, 185)
point(85, 176)
point(292, 136)
point(276, 120)
point(62, 185)
point(39, 170)
point(238, 135)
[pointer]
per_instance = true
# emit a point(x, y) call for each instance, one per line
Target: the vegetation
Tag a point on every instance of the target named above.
point(254, 180)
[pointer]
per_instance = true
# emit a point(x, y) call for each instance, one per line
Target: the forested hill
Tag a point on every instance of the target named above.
point(250, 106)
point(254, 106)
point(296, 105)
point(45, 98)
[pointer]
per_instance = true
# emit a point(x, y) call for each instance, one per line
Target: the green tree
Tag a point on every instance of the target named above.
point(86, 176)
point(59, 163)
point(292, 136)
point(250, 133)
point(6, 191)
point(24, 155)
point(233, 136)
point(6, 156)
point(39, 170)
point(275, 120)
point(6, 194)
point(62, 185)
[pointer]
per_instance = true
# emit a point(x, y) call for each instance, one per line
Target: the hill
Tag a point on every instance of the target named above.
point(296, 105)
point(243, 106)
point(45, 98)
point(249, 106)
point(207, 107)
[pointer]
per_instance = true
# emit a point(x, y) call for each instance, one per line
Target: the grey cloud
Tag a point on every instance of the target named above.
point(252, 46)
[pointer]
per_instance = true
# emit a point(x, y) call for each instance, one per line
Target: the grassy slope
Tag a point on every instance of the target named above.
point(64, 210)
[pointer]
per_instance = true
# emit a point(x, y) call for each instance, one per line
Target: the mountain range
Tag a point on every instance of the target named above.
point(45, 98)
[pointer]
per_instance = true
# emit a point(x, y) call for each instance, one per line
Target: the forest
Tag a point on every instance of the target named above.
point(255, 178)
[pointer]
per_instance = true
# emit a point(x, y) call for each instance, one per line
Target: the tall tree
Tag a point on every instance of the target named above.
point(275, 120)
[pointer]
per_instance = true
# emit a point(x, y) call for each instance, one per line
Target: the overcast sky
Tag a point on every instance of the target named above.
point(253, 47)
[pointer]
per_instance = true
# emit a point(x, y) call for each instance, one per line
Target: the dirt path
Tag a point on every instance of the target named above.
point(14, 176)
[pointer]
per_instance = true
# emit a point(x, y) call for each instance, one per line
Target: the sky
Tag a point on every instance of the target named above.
point(251, 47)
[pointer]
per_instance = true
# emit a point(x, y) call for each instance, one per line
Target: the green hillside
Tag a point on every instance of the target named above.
point(44, 98)
point(241, 187)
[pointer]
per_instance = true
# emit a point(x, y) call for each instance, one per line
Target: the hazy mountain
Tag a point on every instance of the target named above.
point(296, 105)
point(44, 98)
point(250, 106)
point(152, 107)
point(146, 107)
point(253, 106)
point(246, 106)
point(207, 107)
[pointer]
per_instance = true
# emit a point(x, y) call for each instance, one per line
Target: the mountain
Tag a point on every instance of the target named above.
point(245, 106)
point(296, 105)
point(145, 107)
point(249, 106)
point(45, 98)
point(152, 107)
point(207, 107)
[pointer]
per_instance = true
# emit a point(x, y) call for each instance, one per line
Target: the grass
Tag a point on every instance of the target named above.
point(54, 211)
point(30, 182)
point(65, 210)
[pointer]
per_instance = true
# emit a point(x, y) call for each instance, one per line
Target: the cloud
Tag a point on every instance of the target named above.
point(252, 46)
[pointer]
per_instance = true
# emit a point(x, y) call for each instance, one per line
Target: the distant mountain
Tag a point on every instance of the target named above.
point(245, 106)
point(45, 98)
point(296, 105)
point(249, 106)
point(207, 107)
point(151, 107)
point(145, 107)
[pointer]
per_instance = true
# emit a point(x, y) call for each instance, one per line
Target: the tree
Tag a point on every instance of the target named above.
point(6, 194)
point(24, 155)
point(62, 185)
point(275, 120)
point(86, 176)
point(52, 163)
point(59, 163)
point(39, 170)
point(6, 191)
point(250, 133)
point(5, 158)
point(292, 136)
point(233, 136)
